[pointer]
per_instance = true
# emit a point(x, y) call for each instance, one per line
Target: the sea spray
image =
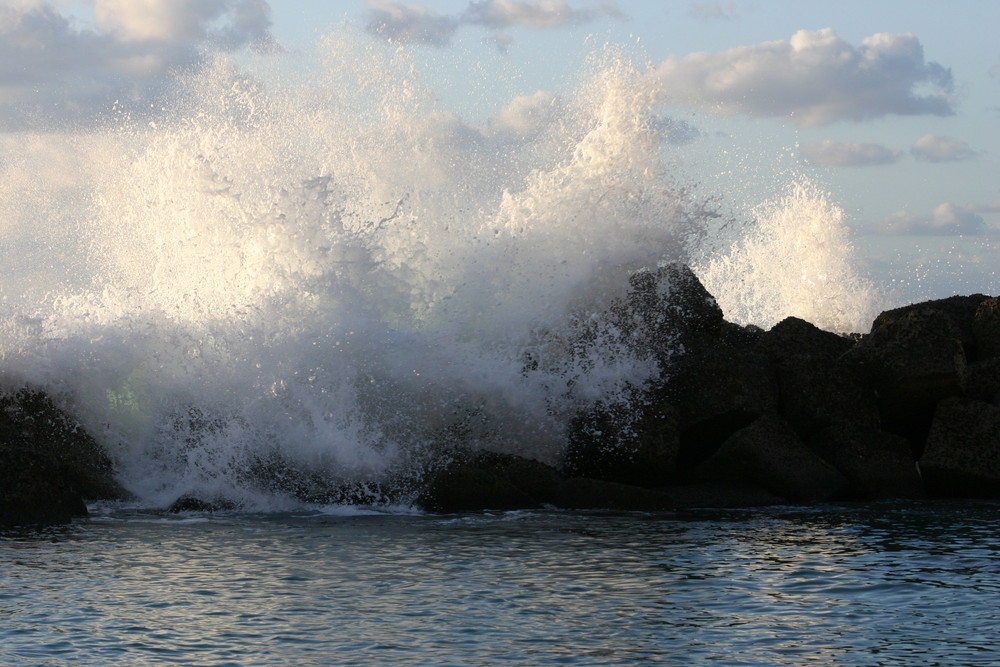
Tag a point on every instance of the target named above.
point(337, 279)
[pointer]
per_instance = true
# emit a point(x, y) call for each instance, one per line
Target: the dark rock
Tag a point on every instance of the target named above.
point(913, 360)
point(962, 458)
point(194, 504)
point(960, 311)
point(487, 480)
point(769, 455)
point(49, 466)
point(877, 464)
point(982, 381)
point(667, 312)
point(632, 443)
point(717, 393)
point(986, 329)
point(814, 389)
point(583, 493)
point(708, 495)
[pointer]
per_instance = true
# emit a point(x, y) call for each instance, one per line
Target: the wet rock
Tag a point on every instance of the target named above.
point(719, 496)
point(962, 458)
point(717, 393)
point(488, 480)
point(960, 311)
point(877, 464)
point(195, 504)
point(49, 466)
point(913, 360)
point(986, 329)
point(667, 312)
point(634, 442)
point(584, 493)
point(982, 381)
point(768, 455)
point(815, 390)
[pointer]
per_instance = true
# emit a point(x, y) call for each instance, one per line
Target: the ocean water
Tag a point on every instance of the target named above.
point(880, 584)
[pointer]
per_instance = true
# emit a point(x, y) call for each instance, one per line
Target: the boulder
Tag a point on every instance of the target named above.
point(768, 455)
point(913, 361)
point(488, 480)
point(877, 464)
point(814, 389)
point(962, 457)
point(583, 493)
point(49, 466)
point(986, 329)
point(960, 311)
point(982, 381)
point(635, 442)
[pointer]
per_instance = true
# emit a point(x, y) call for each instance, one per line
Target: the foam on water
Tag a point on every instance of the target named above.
point(342, 274)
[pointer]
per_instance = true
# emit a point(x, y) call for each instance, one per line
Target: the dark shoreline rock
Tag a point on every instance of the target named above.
point(739, 417)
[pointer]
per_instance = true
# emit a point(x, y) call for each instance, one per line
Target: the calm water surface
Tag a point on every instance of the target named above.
point(884, 584)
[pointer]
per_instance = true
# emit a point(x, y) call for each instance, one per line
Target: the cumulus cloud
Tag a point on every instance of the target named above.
point(833, 153)
point(945, 220)
point(525, 116)
point(415, 23)
point(407, 22)
point(933, 148)
point(53, 71)
point(813, 79)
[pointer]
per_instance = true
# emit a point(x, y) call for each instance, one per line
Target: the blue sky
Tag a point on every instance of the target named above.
point(893, 106)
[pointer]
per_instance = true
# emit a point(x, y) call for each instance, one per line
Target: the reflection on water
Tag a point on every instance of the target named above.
point(852, 585)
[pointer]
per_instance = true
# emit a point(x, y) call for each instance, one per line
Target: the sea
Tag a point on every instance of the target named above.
point(329, 275)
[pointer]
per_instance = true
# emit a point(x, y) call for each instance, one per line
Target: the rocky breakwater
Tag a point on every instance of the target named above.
point(743, 417)
point(49, 466)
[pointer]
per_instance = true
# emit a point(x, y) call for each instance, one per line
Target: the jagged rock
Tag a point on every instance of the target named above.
point(960, 311)
point(814, 390)
point(667, 312)
point(877, 464)
point(487, 480)
point(768, 455)
point(962, 457)
point(986, 329)
point(49, 466)
point(717, 393)
point(584, 493)
point(913, 360)
point(636, 442)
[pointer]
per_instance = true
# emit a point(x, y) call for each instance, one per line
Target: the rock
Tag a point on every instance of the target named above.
point(49, 466)
point(487, 480)
point(962, 458)
point(631, 443)
point(583, 493)
point(986, 329)
point(982, 381)
point(667, 312)
point(717, 393)
point(195, 504)
point(960, 311)
point(814, 389)
point(877, 464)
point(768, 455)
point(912, 361)
point(719, 496)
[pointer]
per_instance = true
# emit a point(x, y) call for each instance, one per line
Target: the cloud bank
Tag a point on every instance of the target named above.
point(933, 148)
point(833, 153)
point(407, 22)
point(945, 220)
point(813, 79)
point(52, 70)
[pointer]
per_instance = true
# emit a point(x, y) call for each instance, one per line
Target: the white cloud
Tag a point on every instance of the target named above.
point(416, 23)
point(408, 22)
point(53, 71)
point(525, 116)
point(945, 220)
point(814, 79)
point(833, 153)
point(933, 148)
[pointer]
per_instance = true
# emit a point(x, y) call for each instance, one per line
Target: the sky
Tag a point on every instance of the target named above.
point(893, 106)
